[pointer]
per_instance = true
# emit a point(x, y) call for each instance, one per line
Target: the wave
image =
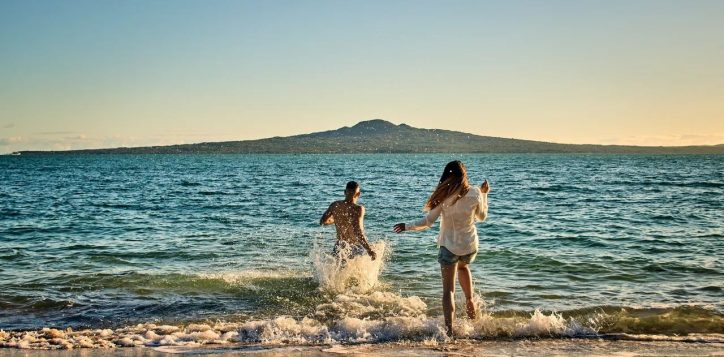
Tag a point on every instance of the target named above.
point(128, 206)
point(664, 183)
point(12, 254)
point(212, 193)
point(188, 183)
point(351, 305)
point(563, 188)
point(35, 304)
point(153, 254)
point(409, 324)
point(8, 212)
point(676, 267)
point(698, 184)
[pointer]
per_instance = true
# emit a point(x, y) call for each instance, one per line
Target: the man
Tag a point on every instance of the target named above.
point(348, 217)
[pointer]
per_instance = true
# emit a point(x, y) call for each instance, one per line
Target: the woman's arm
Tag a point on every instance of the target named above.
point(481, 212)
point(425, 223)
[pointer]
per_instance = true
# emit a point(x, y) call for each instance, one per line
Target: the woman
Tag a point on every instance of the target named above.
point(460, 206)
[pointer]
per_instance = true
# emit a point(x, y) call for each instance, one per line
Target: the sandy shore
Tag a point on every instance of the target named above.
point(547, 347)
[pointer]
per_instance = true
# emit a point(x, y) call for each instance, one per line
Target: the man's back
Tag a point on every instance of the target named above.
point(348, 219)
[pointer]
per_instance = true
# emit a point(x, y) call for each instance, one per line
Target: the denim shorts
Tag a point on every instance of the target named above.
point(447, 257)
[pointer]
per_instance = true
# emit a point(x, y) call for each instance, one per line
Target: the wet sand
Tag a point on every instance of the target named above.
point(545, 347)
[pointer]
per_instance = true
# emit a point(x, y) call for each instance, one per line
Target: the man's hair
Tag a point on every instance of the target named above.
point(352, 186)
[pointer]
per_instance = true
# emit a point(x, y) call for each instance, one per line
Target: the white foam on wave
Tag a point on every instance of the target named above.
point(412, 324)
point(356, 309)
point(375, 305)
point(249, 276)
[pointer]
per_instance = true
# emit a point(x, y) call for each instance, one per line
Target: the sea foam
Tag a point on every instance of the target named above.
point(356, 309)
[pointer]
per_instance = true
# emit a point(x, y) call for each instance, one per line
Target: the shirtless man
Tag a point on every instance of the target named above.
point(347, 217)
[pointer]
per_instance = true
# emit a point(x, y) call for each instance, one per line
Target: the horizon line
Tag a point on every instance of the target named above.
point(356, 124)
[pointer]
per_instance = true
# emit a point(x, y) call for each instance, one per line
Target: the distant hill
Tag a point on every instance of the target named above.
point(380, 136)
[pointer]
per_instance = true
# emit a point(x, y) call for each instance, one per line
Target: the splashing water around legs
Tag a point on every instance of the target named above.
point(354, 308)
point(355, 273)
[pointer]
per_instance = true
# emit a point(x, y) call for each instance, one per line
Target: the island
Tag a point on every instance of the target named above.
point(380, 136)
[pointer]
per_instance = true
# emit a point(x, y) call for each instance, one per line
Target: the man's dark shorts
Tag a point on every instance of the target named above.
point(345, 250)
point(447, 257)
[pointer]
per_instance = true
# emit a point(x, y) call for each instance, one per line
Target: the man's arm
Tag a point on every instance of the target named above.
point(360, 233)
point(327, 217)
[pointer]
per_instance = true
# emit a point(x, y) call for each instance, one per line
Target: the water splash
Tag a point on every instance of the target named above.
point(358, 274)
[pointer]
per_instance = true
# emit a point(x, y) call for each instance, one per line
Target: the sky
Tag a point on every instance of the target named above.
point(101, 73)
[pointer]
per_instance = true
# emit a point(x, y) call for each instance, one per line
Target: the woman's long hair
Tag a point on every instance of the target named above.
point(453, 182)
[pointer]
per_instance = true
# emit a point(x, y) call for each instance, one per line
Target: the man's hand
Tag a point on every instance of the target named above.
point(485, 187)
point(372, 254)
point(398, 228)
point(327, 217)
point(324, 222)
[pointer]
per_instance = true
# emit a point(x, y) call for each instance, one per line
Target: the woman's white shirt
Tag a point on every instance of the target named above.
point(457, 226)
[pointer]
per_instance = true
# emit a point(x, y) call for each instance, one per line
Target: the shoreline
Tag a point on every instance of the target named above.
point(462, 347)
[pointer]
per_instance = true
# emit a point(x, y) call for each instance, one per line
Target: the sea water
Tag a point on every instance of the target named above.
point(165, 250)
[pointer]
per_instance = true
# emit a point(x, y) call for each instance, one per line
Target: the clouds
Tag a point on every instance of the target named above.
point(11, 140)
point(69, 140)
point(667, 140)
point(9, 126)
point(59, 140)
point(57, 132)
point(43, 142)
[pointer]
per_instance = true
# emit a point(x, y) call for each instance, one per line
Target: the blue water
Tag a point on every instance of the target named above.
point(97, 241)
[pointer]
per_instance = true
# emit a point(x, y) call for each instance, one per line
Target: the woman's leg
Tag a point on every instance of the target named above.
point(448, 295)
point(466, 283)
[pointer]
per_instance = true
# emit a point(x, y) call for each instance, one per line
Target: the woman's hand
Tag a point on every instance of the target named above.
point(398, 228)
point(485, 187)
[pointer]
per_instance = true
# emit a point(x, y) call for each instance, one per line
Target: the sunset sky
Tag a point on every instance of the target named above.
point(88, 74)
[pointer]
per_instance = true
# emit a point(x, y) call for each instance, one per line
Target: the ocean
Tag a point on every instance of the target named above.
point(166, 250)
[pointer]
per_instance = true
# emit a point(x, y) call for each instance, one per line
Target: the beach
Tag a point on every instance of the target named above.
point(562, 347)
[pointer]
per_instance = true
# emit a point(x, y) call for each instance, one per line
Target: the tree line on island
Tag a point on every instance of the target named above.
point(380, 136)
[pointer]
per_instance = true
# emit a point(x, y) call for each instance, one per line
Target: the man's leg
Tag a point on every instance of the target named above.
point(341, 252)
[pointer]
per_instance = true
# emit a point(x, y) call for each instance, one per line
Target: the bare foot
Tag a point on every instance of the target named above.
point(470, 309)
point(450, 334)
